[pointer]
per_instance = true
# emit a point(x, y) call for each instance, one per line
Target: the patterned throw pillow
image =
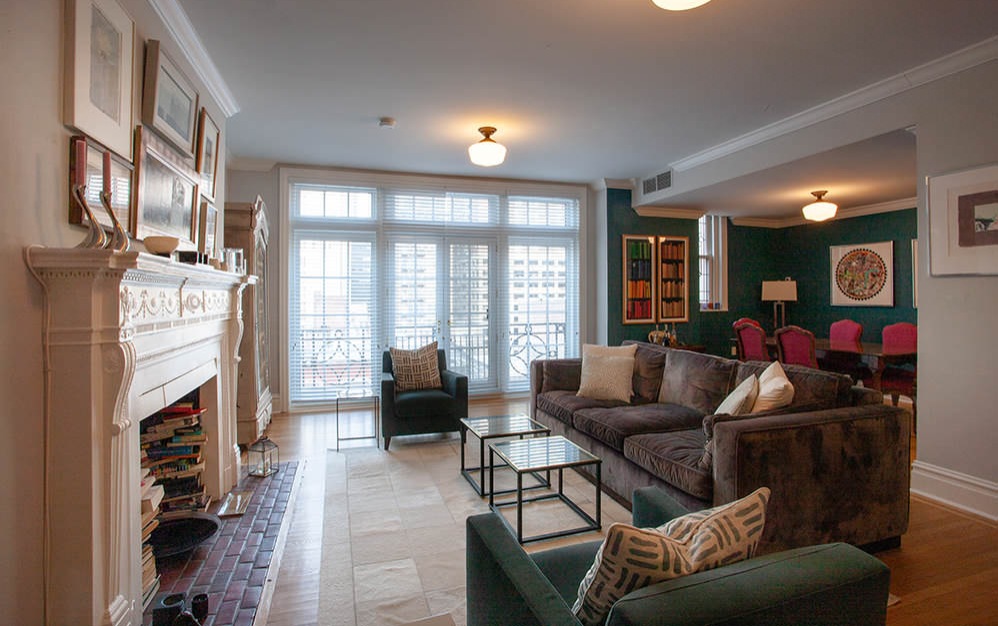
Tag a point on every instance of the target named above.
point(416, 369)
point(631, 558)
point(607, 372)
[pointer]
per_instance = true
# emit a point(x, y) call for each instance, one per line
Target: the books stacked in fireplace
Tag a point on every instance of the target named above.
point(171, 442)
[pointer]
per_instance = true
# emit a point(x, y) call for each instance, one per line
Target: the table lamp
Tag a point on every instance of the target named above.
point(779, 292)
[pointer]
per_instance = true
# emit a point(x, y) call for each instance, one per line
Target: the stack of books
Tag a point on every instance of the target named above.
point(171, 442)
point(152, 495)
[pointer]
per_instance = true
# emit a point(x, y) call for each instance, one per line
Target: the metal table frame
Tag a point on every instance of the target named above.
point(377, 420)
point(467, 472)
point(592, 523)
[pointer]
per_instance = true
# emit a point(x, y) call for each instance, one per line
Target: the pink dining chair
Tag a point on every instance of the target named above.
point(795, 346)
point(900, 380)
point(842, 334)
point(745, 320)
point(751, 340)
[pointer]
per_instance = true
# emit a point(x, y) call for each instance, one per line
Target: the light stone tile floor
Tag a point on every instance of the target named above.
point(393, 530)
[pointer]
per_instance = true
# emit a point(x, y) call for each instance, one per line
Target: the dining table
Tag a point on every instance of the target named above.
point(874, 354)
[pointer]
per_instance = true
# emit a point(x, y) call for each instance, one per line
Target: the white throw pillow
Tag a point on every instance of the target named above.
point(741, 400)
point(607, 372)
point(775, 389)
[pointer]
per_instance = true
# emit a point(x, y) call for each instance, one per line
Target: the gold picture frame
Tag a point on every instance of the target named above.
point(166, 191)
point(209, 139)
point(121, 185)
point(99, 50)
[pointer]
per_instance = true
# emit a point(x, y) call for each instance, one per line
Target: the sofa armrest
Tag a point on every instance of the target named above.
point(387, 394)
point(830, 584)
point(456, 385)
point(551, 374)
point(865, 395)
point(835, 475)
point(504, 585)
point(651, 507)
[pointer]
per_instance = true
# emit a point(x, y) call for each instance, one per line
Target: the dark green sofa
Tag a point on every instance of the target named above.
point(817, 585)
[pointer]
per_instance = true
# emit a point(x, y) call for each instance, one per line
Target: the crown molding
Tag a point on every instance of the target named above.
point(248, 164)
point(615, 183)
point(664, 211)
point(182, 30)
point(958, 61)
point(900, 204)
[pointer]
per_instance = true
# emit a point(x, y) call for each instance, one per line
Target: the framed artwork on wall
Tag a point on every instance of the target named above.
point(166, 199)
point(914, 273)
point(208, 228)
point(863, 274)
point(120, 182)
point(98, 77)
point(963, 222)
point(169, 100)
point(207, 153)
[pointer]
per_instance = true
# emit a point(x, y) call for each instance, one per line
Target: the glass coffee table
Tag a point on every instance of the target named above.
point(543, 454)
point(496, 427)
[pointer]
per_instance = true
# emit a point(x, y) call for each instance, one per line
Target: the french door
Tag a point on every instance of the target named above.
point(438, 289)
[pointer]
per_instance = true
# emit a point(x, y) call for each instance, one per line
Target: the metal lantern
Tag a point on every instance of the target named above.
point(264, 458)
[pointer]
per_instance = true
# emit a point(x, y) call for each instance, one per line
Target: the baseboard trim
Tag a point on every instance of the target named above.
point(960, 491)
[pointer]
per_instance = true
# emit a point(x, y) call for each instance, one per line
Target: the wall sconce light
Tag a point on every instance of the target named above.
point(819, 210)
point(779, 292)
point(487, 152)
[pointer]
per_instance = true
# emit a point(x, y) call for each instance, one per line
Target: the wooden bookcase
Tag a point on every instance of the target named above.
point(672, 254)
point(639, 279)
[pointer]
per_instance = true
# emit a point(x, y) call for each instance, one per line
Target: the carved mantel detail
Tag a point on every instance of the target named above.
point(125, 333)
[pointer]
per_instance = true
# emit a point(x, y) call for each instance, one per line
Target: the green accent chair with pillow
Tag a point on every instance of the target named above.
point(830, 584)
point(422, 407)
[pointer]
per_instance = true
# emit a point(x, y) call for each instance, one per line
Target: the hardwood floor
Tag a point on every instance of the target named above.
point(944, 571)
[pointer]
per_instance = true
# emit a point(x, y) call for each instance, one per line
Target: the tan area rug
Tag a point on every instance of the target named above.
point(393, 531)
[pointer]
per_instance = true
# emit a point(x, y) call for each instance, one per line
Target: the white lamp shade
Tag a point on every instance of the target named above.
point(487, 153)
point(678, 5)
point(779, 291)
point(820, 211)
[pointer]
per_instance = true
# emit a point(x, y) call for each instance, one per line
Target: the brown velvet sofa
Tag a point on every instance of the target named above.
point(837, 459)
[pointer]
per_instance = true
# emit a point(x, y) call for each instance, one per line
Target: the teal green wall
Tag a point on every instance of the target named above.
point(622, 220)
point(758, 254)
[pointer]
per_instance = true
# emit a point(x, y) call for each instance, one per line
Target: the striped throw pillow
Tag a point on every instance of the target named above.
point(631, 558)
point(416, 369)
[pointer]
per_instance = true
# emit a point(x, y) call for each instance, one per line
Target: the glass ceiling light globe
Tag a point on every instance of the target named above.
point(487, 153)
point(819, 210)
point(679, 5)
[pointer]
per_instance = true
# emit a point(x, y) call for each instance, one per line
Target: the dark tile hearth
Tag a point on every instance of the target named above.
point(232, 567)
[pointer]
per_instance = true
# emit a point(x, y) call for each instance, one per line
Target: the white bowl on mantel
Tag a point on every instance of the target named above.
point(161, 244)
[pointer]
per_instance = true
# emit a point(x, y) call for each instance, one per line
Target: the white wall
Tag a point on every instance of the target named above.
point(34, 174)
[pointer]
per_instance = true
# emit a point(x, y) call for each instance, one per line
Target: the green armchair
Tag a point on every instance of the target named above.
point(831, 584)
point(425, 410)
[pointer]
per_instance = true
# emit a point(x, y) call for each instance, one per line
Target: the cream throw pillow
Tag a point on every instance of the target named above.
point(741, 399)
point(775, 389)
point(416, 369)
point(631, 558)
point(607, 372)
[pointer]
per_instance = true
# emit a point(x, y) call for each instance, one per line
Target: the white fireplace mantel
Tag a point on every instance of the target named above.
point(124, 334)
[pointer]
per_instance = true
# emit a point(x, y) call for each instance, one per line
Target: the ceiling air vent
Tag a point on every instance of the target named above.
point(657, 183)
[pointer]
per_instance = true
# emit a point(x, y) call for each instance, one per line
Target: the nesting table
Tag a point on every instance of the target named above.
point(543, 454)
point(495, 427)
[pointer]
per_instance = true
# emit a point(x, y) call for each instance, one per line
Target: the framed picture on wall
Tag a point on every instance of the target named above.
point(166, 202)
point(120, 179)
point(863, 274)
point(963, 222)
point(169, 100)
point(98, 74)
point(207, 153)
point(208, 228)
point(914, 273)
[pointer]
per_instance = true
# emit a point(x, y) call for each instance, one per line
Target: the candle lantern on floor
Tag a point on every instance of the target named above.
point(264, 458)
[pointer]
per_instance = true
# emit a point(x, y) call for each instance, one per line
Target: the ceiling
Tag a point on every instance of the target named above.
point(580, 90)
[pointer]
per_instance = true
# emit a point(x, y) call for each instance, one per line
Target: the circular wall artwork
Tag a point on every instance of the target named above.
point(861, 274)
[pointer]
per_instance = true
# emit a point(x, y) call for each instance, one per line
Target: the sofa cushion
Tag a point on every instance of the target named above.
point(675, 458)
point(416, 369)
point(561, 374)
point(562, 404)
point(632, 558)
point(649, 364)
point(612, 426)
point(825, 390)
point(695, 380)
point(423, 403)
point(607, 372)
point(775, 389)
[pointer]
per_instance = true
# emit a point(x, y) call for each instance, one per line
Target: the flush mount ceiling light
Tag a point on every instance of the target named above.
point(487, 152)
point(819, 210)
point(679, 5)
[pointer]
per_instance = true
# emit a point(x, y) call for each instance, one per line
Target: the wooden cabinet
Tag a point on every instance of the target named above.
point(246, 228)
point(655, 279)
point(673, 279)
